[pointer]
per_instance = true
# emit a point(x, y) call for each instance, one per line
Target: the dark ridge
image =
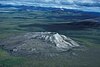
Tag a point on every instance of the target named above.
point(32, 8)
point(21, 18)
point(66, 26)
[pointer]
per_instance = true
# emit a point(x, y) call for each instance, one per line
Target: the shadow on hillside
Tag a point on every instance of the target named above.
point(81, 25)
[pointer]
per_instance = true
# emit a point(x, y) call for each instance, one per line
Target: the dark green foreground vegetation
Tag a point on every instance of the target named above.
point(9, 25)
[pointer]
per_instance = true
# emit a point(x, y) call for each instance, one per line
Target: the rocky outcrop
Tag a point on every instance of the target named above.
point(39, 42)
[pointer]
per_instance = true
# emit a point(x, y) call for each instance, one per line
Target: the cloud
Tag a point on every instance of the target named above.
point(84, 5)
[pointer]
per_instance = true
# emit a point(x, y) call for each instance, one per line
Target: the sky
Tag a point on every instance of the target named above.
point(84, 5)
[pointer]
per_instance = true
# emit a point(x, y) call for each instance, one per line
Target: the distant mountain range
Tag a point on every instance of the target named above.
point(10, 8)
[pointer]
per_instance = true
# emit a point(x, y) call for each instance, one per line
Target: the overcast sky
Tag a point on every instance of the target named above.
point(86, 5)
